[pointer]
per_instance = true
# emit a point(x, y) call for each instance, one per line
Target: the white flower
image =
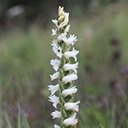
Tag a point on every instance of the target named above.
point(56, 49)
point(71, 67)
point(56, 126)
point(72, 53)
point(67, 28)
point(55, 22)
point(71, 40)
point(55, 63)
point(71, 121)
point(66, 20)
point(69, 91)
point(54, 99)
point(54, 32)
point(53, 88)
point(56, 114)
point(69, 78)
point(72, 106)
point(54, 76)
point(62, 37)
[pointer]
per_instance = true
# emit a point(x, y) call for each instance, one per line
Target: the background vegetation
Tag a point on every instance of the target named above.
point(25, 53)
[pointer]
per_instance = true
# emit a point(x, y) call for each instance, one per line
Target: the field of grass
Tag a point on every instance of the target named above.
point(103, 73)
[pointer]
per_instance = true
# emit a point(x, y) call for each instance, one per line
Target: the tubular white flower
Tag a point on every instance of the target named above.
point(71, 121)
point(71, 67)
point(56, 126)
point(53, 88)
point(62, 37)
point(71, 40)
point(72, 54)
point(54, 76)
point(72, 106)
point(69, 78)
point(56, 114)
point(54, 99)
point(69, 91)
point(55, 63)
point(68, 40)
point(56, 49)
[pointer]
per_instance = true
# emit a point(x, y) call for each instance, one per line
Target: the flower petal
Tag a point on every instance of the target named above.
point(60, 11)
point(54, 32)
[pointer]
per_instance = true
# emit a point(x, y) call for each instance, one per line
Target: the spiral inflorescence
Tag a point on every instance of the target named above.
point(65, 65)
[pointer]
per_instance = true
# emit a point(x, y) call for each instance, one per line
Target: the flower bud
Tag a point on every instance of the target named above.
point(61, 18)
point(60, 11)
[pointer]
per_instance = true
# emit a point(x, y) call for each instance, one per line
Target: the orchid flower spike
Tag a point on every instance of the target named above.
point(65, 73)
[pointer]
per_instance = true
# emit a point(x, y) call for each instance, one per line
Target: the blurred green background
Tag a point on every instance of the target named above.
point(25, 54)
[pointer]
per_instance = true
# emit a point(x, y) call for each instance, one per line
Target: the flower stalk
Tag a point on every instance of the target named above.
point(65, 65)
